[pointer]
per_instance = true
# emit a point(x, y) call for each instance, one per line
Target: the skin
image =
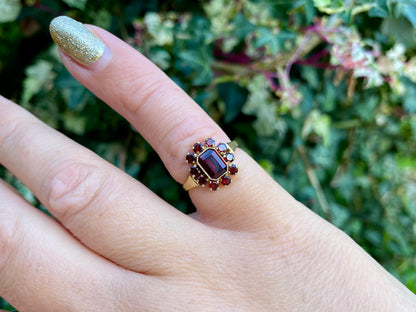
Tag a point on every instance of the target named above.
point(116, 246)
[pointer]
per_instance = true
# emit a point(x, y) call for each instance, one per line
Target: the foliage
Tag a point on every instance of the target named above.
point(321, 93)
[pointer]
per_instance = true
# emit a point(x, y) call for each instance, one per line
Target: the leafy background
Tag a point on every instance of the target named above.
point(321, 93)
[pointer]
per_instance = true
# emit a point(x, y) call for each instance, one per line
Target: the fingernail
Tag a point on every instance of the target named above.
point(76, 40)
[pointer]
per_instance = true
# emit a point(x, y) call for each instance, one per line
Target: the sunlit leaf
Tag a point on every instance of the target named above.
point(9, 10)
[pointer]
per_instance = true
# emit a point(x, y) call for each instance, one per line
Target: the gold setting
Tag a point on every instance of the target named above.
point(192, 180)
point(76, 40)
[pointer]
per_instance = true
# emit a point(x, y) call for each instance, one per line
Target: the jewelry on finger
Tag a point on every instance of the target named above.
point(212, 165)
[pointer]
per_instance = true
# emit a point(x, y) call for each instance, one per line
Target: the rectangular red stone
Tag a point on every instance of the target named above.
point(212, 163)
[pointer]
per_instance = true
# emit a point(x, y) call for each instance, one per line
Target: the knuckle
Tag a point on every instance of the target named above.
point(140, 92)
point(8, 129)
point(72, 188)
point(181, 131)
point(8, 238)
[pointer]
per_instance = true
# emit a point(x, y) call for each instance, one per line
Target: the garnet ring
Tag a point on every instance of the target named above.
point(211, 165)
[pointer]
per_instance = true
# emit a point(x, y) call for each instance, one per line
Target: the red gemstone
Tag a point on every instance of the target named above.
point(233, 169)
point(190, 158)
point(226, 180)
point(214, 185)
point(198, 147)
point(229, 157)
point(209, 142)
point(194, 170)
point(202, 180)
point(212, 164)
point(222, 147)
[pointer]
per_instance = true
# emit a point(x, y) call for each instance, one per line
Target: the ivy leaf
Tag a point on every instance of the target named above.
point(9, 10)
point(310, 10)
point(409, 99)
point(78, 4)
point(242, 26)
point(380, 9)
point(160, 30)
point(274, 41)
point(400, 31)
point(73, 123)
point(260, 104)
point(266, 38)
point(200, 62)
point(160, 57)
point(234, 98)
point(38, 76)
point(74, 93)
point(322, 3)
point(279, 9)
point(407, 9)
point(318, 124)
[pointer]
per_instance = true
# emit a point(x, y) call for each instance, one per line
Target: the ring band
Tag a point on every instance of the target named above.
point(211, 165)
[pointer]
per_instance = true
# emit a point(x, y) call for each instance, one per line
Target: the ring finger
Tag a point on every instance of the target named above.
point(172, 122)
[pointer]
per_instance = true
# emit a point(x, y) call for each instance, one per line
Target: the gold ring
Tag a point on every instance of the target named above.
point(211, 165)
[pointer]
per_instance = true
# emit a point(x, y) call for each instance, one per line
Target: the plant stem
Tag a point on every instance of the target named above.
point(323, 202)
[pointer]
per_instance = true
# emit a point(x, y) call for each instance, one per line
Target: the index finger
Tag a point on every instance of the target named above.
point(171, 122)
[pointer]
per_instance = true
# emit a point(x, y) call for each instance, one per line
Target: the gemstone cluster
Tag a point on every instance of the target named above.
point(211, 164)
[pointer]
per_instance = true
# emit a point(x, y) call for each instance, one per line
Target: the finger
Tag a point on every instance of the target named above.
point(106, 209)
point(44, 268)
point(172, 122)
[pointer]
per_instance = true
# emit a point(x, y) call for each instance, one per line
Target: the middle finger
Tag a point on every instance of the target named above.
point(106, 209)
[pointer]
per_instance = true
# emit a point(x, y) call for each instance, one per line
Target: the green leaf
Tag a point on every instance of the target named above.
point(102, 18)
point(26, 193)
point(73, 123)
point(161, 30)
point(340, 215)
point(319, 124)
point(242, 26)
point(266, 38)
point(260, 104)
point(38, 76)
point(74, 93)
point(160, 57)
point(200, 62)
point(234, 98)
point(310, 10)
point(274, 41)
point(78, 4)
point(407, 9)
point(322, 3)
point(409, 100)
point(9, 10)
point(399, 31)
point(380, 9)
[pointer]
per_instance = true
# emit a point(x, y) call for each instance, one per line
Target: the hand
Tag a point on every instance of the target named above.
point(115, 246)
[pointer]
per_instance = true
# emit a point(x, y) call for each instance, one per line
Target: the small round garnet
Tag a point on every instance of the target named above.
point(194, 170)
point(210, 142)
point(190, 158)
point(202, 180)
point(222, 147)
point(198, 147)
point(233, 169)
point(213, 185)
point(226, 180)
point(229, 157)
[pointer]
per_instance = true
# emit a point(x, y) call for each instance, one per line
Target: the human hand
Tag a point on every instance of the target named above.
point(117, 246)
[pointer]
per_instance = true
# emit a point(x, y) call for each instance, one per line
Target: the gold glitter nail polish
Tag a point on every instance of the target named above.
point(76, 40)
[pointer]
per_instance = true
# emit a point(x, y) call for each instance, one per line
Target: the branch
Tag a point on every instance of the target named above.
point(315, 182)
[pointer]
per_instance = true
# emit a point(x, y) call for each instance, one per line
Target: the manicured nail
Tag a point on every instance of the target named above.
point(76, 40)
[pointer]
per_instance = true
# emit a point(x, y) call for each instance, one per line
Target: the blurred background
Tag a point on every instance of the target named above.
point(321, 93)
